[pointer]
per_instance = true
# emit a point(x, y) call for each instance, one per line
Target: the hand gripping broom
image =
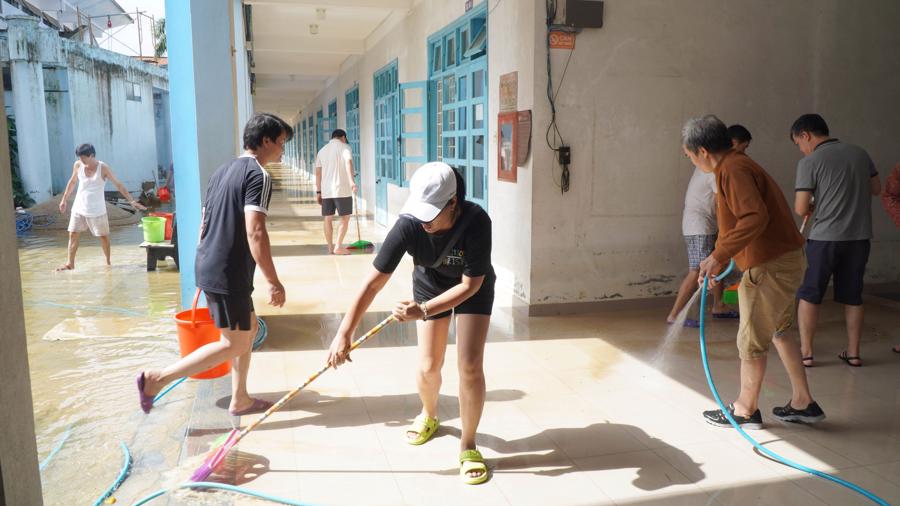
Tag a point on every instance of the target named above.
point(217, 455)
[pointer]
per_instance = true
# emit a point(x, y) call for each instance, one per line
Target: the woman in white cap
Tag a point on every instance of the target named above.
point(450, 242)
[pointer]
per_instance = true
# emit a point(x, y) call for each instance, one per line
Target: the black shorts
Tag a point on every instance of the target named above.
point(480, 303)
point(846, 260)
point(344, 206)
point(231, 311)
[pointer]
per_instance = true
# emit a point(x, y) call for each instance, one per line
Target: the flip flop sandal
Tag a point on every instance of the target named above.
point(424, 427)
point(807, 359)
point(469, 461)
point(728, 315)
point(895, 349)
point(843, 356)
point(258, 406)
point(146, 400)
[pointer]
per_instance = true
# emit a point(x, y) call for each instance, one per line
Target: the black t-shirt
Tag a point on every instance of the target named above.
point(471, 255)
point(224, 263)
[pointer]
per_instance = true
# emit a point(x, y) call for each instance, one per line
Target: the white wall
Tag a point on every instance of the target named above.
point(511, 47)
point(123, 131)
point(59, 126)
point(632, 84)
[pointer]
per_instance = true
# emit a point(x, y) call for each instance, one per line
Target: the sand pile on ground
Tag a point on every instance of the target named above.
point(48, 212)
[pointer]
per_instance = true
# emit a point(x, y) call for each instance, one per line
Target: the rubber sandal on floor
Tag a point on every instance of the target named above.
point(424, 427)
point(259, 406)
point(807, 359)
point(728, 315)
point(895, 349)
point(843, 356)
point(471, 460)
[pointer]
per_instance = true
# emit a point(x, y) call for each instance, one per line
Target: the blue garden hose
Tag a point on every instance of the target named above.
point(56, 449)
point(168, 389)
point(712, 387)
point(126, 468)
point(222, 486)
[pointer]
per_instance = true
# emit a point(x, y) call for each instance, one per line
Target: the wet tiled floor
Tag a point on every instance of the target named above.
point(581, 409)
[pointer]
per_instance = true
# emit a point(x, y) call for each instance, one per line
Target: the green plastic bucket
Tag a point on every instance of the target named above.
point(154, 229)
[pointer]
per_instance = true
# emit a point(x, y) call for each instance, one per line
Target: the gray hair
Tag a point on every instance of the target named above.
point(707, 132)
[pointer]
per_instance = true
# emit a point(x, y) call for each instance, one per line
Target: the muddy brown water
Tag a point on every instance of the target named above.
point(89, 331)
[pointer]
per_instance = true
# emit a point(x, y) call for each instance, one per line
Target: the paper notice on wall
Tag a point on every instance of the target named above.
point(523, 138)
point(509, 92)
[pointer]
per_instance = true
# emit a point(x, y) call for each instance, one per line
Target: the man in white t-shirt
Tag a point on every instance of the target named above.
point(335, 187)
point(698, 225)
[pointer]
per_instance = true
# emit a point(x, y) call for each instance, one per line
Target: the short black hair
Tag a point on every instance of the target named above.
point(338, 133)
point(739, 133)
point(265, 126)
point(460, 185)
point(707, 132)
point(85, 149)
point(811, 124)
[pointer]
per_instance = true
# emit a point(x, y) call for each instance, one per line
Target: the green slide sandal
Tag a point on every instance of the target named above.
point(471, 461)
point(424, 427)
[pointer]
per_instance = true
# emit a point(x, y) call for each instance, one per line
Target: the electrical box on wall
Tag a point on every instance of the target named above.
point(584, 13)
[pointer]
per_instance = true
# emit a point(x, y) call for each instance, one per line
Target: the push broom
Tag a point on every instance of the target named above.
point(217, 455)
point(359, 244)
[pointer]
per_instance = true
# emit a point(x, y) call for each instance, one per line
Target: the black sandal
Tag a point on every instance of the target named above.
point(843, 356)
point(807, 359)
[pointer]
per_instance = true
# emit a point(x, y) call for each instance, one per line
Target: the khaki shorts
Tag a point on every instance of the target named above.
point(766, 300)
point(98, 225)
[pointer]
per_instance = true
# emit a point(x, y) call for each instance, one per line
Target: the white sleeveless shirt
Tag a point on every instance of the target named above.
point(89, 199)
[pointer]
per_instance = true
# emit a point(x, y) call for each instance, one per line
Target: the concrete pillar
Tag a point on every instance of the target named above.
point(20, 480)
point(27, 75)
point(204, 121)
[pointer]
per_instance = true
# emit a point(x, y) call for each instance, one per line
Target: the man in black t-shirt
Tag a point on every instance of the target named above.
point(233, 241)
point(450, 242)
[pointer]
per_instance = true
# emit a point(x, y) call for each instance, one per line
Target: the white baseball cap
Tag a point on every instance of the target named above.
point(431, 187)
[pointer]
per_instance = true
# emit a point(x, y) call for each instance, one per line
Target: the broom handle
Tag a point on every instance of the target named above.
point(356, 208)
point(290, 395)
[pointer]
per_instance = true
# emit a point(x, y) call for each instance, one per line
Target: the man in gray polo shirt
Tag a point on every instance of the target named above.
point(835, 184)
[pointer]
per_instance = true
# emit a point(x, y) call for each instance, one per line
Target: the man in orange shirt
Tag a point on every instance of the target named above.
point(756, 228)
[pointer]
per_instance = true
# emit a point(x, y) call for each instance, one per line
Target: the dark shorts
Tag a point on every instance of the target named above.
point(698, 248)
point(231, 311)
point(343, 205)
point(845, 260)
point(480, 303)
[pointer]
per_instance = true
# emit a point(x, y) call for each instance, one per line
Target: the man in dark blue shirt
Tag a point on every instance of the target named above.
point(233, 241)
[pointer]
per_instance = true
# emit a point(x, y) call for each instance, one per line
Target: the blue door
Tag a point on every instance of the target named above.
point(386, 137)
point(413, 126)
point(352, 107)
point(457, 72)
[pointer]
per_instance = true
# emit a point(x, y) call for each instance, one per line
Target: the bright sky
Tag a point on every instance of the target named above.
point(125, 39)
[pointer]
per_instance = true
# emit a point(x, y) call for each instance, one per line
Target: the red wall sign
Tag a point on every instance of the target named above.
point(562, 40)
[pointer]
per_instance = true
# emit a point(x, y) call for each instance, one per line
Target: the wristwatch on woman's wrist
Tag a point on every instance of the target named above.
point(424, 307)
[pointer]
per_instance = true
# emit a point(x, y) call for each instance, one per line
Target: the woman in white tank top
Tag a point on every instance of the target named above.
point(89, 208)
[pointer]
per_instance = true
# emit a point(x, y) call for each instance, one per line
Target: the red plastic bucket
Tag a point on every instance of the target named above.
point(170, 219)
point(196, 329)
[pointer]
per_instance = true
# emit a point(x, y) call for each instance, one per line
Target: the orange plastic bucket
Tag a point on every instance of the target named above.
point(195, 329)
point(170, 219)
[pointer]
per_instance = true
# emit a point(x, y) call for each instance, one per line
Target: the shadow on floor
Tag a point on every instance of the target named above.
point(536, 451)
point(304, 332)
point(389, 410)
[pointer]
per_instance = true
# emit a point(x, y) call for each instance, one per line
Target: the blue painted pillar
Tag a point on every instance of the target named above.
point(202, 98)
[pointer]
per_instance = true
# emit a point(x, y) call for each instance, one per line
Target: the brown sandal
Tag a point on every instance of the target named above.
point(843, 356)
